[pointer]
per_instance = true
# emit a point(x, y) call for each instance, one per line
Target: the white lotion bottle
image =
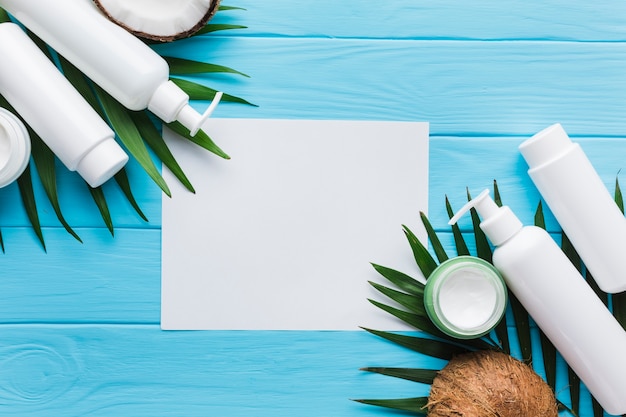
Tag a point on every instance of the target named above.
point(559, 300)
point(581, 203)
point(116, 60)
point(55, 110)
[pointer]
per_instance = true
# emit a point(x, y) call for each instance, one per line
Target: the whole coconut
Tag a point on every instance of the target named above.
point(490, 383)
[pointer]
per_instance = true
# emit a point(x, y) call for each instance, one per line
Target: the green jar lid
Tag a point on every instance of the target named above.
point(465, 297)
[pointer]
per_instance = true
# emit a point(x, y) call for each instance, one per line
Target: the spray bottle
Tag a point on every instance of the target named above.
point(559, 300)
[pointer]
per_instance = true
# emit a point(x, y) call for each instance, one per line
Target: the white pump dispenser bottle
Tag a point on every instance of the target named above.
point(581, 203)
point(559, 300)
point(55, 110)
point(116, 60)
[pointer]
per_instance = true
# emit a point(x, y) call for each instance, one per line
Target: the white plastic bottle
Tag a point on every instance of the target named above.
point(559, 300)
point(117, 61)
point(581, 204)
point(55, 110)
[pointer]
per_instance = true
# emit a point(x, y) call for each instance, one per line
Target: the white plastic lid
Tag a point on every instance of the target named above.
point(102, 162)
point(498, 223)
point(14, 147)
point(170, 103)
point(545, 146)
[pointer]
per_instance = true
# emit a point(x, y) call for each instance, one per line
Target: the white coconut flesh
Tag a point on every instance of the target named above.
point(162, 20)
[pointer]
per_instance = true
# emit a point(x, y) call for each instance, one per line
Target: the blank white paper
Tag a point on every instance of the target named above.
point(282, 236)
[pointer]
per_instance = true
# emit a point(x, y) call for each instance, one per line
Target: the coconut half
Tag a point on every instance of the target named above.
point(160, 20)
point(490, 384)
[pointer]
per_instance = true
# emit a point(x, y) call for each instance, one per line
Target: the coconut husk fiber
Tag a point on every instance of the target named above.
point(490, 383)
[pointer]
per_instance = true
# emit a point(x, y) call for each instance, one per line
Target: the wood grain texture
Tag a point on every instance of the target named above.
point(463, 88)
point(79, 324)
point(482, 20)
point(142, 371)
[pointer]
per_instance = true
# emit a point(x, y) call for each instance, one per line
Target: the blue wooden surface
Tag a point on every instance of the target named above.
point(79, 324)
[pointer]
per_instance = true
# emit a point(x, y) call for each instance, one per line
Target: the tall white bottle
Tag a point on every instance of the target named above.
point(55, 110)
point(581, 203)
point(117, 61)
point(559, 300)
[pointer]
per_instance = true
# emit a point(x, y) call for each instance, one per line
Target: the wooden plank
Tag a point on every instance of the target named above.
point(423, 19)
point(141, 371)
point(105, 279)
point(462, 88)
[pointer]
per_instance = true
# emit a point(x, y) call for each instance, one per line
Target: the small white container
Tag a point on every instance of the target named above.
point(465, 297)
point(55, 110)
point(581, 203)
point(14, 147)
point(116, 60)
point(559, 300)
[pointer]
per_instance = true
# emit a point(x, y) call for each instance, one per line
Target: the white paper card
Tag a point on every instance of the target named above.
point(281, 236)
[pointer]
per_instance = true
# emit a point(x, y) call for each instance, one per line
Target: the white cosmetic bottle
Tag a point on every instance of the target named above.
point(55, 110)
point(581, 204)
point(559, 300)
point(117, 61)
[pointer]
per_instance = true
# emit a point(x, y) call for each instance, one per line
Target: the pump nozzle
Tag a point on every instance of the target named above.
point(498, 223)
point(483, 204)
point(170, 103)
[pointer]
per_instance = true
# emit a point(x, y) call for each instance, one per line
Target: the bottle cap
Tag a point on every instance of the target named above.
point(14, 147)
point(465, 297)
point(170, 103)
point(102, 162)
point(545, 146)
point(498, 223)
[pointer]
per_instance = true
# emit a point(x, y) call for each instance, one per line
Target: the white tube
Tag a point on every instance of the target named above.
point(117, 61)
point(55, 110)
point(581, 204)
point(559, 300)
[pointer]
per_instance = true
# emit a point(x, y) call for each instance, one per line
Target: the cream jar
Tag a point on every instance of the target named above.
point(465, 297)
point(14, 147)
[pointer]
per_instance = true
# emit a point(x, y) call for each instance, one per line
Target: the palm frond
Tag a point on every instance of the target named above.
point(137, 131)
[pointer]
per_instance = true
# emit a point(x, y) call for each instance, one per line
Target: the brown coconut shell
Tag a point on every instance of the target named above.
point(201, 23)
point(489, 383)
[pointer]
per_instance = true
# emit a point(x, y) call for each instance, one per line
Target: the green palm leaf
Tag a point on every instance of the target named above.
point(4, 16)
point(483, 249)
point(423, 376)
point(98, 197)
point(431, 347)
point(418, 321)
point(434, 239)
point(401, 280)
point(182, 66)
point(25, 184)
point(413, 303)
point(129, 134)
point(412, 405)
point(201, 92)
point(44, 160)
point(201, 139)
point(154, 139)
point(122, 180)
point(215, 27)
point(459, 242)
point(423, 258)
